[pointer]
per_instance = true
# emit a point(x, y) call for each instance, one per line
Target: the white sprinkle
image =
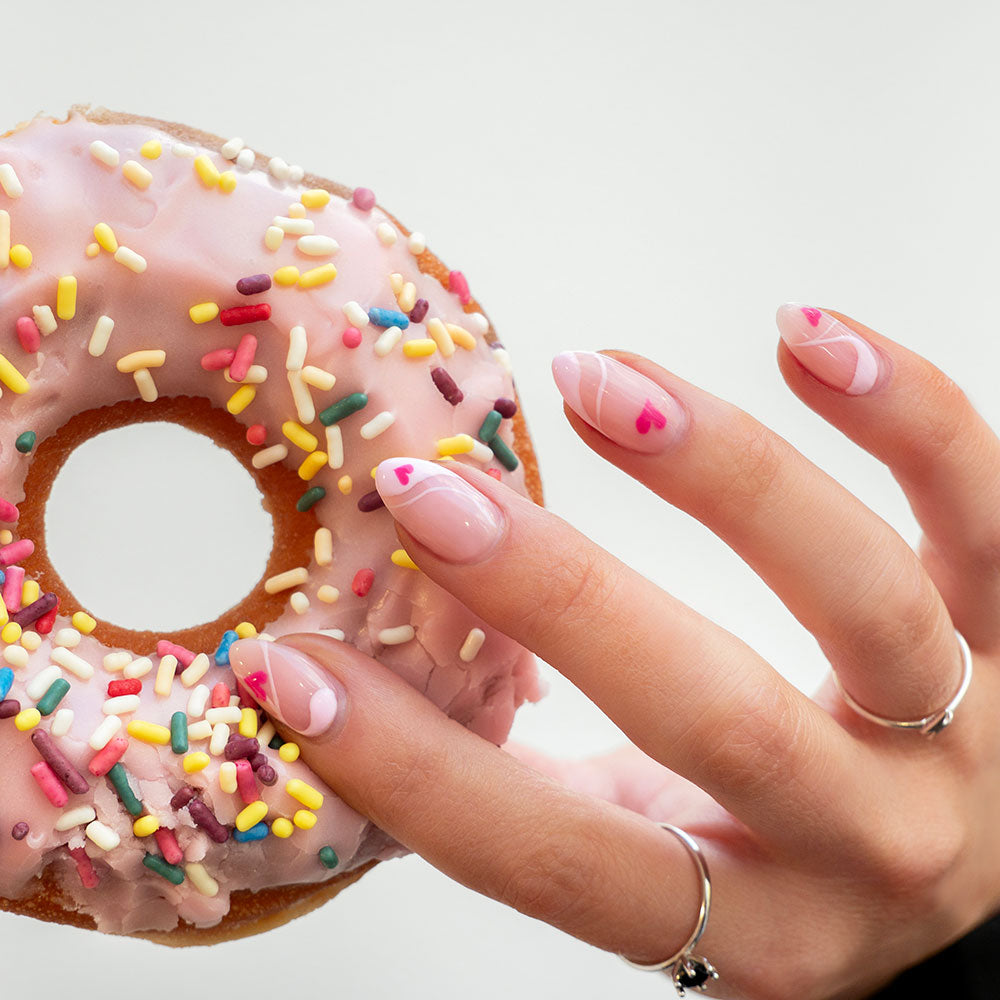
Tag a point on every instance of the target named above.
point(356, 316)
point(4, 238)
point(76, 665)
point(407, 297)
point(328, 594)
point(39, 684)
point(200, 730)
point(296, 210)
point(317, 246)
point(297, 347)
point(480, 452)
point(220, 736)
point(121, 705)
point(302, 398)
point(473, 643)
point(285, 581)
point(256, 375)
point(137, 174)
point(504, 358)
point(299, 602)
point(231, 149)
point(44, 319)
point(378, 424)
point(333, 633)
point(16, 656)
point(105, 838)
point(268, 456)
point(100, 337)
point(76, 816)
point(323, 546)
point(388, 339)
point(138, 667)
point(104, 153)
point(294, 227)
point(115, 663)
point(245, 161)
point(201, 880)
point(386, 234)
point(183, 149)
point(277, 168)
point(68, 637)
point(130, 259)
point(318, 378)
point(165, 674)
point(397, 635)
point(417, 243)
point(334, 447)
point(295, 173)
point(145, 384)
point(30, 640)
point(195, 670)
point(198, 701)
point(230, 715)
point(62, 722)
point(477, 323)
point(273, 237)
point(105, 732)
point(396, 283)
point(266, 733)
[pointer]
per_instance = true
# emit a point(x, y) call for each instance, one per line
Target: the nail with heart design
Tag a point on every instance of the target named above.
point(289, 686)
point(829, 349)
point(625, 406)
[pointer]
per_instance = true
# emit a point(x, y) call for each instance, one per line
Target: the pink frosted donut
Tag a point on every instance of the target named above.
point(148, 271)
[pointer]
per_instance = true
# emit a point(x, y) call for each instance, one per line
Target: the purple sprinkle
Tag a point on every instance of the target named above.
point(257, 761)
point(9, 708)
point(505, 407)
point(267, 775)
point(59, 763)
point(182, 797)
point(447, 386)
point(370, 501)
point(29, 615)
point(207, 820)
point(253, 284)
point(239, 747)
point(20, 830)
point(364, 198)
point(419, 310)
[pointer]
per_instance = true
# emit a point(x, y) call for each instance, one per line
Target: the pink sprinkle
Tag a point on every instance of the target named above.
point(215, 361)
point(243, 359)
point(28, 334)
point(352, 337)
point(106, 758)
point(50, 784)
point(245, 314)
point(8, 512)
point(495, 473)
point(362, 583)
point(12, 588)
point(169, 848)
point(257, 435)
point(458, 285)
point(184, 655)
point(246, 698)
point(364, 198)
point(246, 782)
point(220, 696)
point(85, 868)
point(16, 551)
point(47, 622)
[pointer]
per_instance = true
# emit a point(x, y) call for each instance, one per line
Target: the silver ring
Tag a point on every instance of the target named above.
point(686, 969)
point(929, 724)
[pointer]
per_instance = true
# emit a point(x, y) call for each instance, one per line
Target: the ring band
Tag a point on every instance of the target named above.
point(686, 969)
point(929, 724)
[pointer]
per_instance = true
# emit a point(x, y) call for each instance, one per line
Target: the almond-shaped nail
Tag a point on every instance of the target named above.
point(626, 407)
point(829, 349)
point(288, 685)
point(441, 510)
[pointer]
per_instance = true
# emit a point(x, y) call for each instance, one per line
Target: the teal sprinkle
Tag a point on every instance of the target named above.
point(119, 778)
point(310, 498)
point(172, 873)
point(25, 442)
point(504, 455)
point(328, 857)
point(55, 694)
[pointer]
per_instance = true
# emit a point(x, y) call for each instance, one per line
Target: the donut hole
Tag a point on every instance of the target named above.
point(154, 527)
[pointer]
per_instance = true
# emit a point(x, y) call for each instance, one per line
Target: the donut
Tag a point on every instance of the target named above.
point(152, 272)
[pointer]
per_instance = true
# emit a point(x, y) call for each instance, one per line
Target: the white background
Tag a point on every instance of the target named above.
point(656, 176)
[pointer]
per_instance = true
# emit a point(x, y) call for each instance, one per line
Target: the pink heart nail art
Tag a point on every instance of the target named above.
point(649, 417)
point(811, 314)
point(256, 682)
point(403, 474)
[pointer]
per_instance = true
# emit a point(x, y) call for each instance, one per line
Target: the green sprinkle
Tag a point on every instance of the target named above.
point(179, 732)
point(119, 778)
point(310, 498)
point(170, 872)
point(504, 455)
point(490, 426)
point(328, 857)
point(343, 408)
point(25, 442)
point(276, 742)
point(55, 694)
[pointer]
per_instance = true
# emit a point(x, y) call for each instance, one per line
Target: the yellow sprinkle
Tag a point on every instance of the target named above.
point(345, 484)
point(227, 182)
point(248, 722)
point(400, 558)
point(11, 632)
point(245, 631)
point(316, 198)
point(286, 581)
point(165, 674)
point(323, 546)
point(30, 640)
point(200, 879)
point(145, 826)
point(11, 377)
point(241, 399)
point(328, 594)
point(27, 719)
point(441, 337)
point(20, 256)
point(141, 359)
point(207, 171)
point(289, 752)
point(146, 386)
point(316, 276)
point(149, 732)
point(6, 536)
point(251, 816)
point(135, 173)
point(312, 464)
point(204, 312)
point(299, 436)
point(152, 149)
point(282, 827)
point(461, 336)
point(66, 297)
point(283, 276)
point(306, 794)
point(105, 237)
point(30, 592)
point(304, 819)
point(419, 348)
point(83, 622)
point(460, 444)
point(227, 777)
point(197, 761)
point(93, 250)
point(4, 616)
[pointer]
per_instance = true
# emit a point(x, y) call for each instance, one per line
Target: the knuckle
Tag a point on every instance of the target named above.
point(746, 482)
point(939, 416)
point(398, 788)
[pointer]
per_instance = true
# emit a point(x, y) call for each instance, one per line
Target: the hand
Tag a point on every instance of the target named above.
point(840, 851)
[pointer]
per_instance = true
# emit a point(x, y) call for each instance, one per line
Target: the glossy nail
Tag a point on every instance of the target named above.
point(829, 349)
point(626, 407)
point(441, 510)
point(288, 685)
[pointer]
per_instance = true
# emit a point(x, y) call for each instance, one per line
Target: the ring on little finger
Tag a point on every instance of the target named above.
point(686, 969)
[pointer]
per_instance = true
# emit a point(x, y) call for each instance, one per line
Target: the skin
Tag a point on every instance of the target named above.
point(842, 850)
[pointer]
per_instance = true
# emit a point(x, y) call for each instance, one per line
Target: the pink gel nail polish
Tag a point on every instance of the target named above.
point(625, 406)
point(829, 349)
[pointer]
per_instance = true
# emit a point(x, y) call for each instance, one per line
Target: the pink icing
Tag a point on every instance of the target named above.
point(198, 242)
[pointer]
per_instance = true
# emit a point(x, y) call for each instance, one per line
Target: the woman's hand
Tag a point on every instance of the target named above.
point(840, 851)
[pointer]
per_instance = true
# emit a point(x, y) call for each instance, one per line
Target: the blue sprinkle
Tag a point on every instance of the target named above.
point(6, 679)
point(258, 832)
point(3, 576)
point(222, 653)
point(388, 317)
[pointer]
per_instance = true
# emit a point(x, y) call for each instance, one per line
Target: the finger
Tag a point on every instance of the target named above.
point(592, 869)
point(911, 416)
point(690, 694)
point(839, 568)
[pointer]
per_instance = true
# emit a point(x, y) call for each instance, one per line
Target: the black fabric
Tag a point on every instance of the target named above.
point(970, 969)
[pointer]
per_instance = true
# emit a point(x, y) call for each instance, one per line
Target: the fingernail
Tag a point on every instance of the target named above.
point(831, 351)
point(626, 407)
point(441, 510)
point(289, 686)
